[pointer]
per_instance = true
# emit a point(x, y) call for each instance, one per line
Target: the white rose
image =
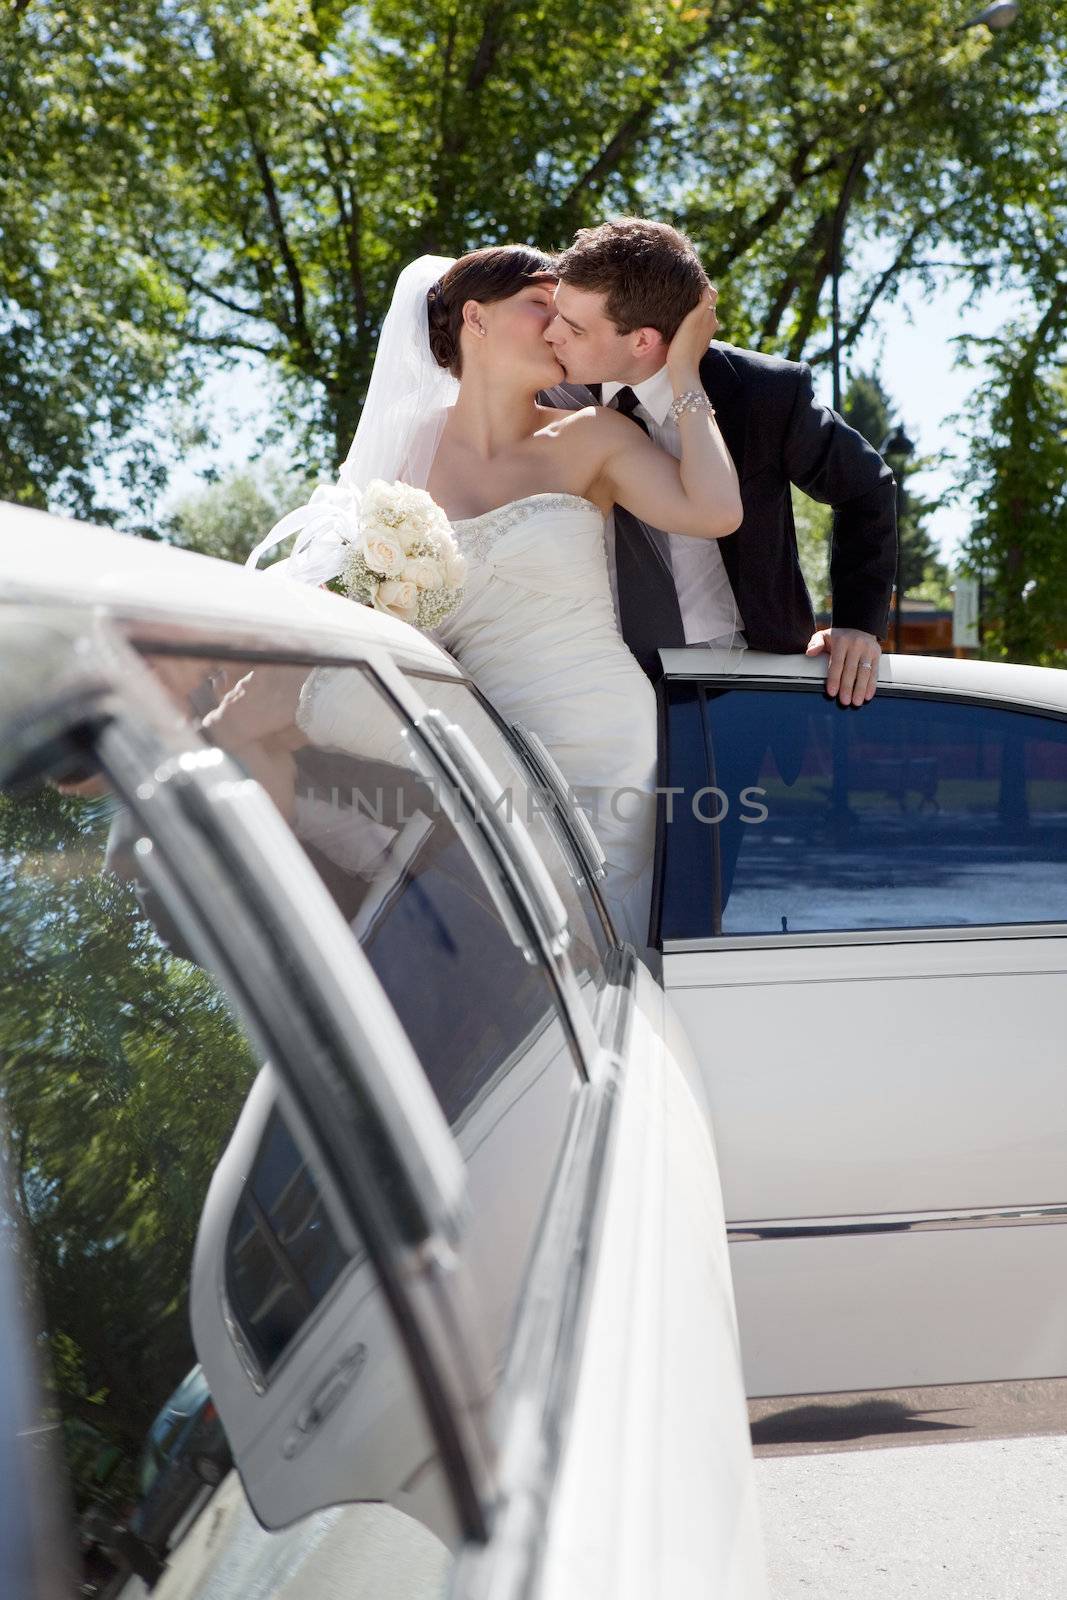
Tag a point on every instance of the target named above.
point(455, 570)
point(381, 550)
point(398, 598)
point(424, 572)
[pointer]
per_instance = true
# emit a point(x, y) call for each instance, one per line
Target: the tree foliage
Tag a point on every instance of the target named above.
point(191, 181)
point(121, 1075)
point(1018, 545)
point(226, 519)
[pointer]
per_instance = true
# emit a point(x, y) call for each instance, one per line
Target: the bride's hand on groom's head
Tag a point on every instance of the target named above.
point(695, 333)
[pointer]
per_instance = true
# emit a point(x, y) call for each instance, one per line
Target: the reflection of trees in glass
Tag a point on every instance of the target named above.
point(121, 1075)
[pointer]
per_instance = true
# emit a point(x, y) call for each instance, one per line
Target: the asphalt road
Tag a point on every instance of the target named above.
point(856, 1505)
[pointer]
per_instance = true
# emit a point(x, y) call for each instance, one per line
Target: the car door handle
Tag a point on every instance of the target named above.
point(324, 1400)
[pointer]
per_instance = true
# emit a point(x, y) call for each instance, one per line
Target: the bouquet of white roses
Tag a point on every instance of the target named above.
point(404, 558)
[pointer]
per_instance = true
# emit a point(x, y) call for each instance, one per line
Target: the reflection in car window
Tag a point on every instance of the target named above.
point(589, 939)
point(283, 1254)
point(448, 943)
point(798, 815)
point(123, 1073)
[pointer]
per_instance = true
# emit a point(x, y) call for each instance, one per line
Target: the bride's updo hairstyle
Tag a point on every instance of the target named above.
point(495, 273)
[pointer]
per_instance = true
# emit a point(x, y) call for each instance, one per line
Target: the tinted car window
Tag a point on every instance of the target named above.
point(590, 941)
point(434, 917)
point(798, 815)
point(123, 1073)
point(283, 1254)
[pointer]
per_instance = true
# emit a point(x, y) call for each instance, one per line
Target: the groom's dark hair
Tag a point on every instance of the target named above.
point(649, 273)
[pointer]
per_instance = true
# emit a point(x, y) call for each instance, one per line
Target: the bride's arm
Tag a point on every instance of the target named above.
point(697, 495)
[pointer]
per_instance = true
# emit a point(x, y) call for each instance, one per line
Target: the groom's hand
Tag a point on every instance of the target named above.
point(852, 675)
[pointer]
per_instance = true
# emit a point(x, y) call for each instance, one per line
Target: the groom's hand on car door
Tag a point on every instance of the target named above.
point(852, 675)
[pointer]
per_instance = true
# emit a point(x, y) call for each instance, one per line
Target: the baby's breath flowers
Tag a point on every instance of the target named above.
point(402, 557)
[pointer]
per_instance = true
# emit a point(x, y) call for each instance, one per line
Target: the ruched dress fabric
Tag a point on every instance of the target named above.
point(536, 630)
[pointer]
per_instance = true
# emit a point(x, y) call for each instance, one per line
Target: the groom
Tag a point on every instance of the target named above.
point(624, 287)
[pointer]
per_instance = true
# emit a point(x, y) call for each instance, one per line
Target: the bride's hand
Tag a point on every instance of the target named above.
point(695, 332)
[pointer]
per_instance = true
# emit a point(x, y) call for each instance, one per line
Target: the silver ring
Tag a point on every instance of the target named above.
point(866, 663)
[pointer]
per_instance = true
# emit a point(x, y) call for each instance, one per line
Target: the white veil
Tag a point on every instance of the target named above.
point(396, 439)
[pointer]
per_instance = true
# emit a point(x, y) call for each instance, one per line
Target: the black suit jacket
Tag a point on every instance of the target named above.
point(778, 434)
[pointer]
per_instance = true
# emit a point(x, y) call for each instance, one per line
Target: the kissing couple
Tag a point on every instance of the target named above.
point(618, 482)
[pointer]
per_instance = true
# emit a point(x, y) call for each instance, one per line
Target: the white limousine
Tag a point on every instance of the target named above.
point(464, 1254)
point(461, 1265)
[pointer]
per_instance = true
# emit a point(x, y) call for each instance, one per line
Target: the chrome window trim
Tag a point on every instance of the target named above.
point(472, 776)
point(870, 936)
point(889, 691)
point(897, 1222)
point(249, 641)
point(397, 686)
point(536, 1396)
point(564, 818)
point(545, 767)
point(290, 1009)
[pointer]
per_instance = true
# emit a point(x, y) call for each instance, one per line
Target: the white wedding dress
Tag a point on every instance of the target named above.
point(536, 630)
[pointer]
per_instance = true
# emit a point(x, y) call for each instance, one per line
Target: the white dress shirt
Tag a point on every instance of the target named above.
point(709, 610)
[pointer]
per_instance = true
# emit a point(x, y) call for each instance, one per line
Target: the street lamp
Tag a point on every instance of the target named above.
point(898, 447)
point(1000, 15)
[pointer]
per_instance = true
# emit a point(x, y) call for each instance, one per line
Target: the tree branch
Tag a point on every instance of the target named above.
point(189, 281)
point(833, 222)
point(227, 341)
point(298, 326)
point(633, 125)
point(799, 175)
point(351, 214)
point(884, 280)
point(489, 44)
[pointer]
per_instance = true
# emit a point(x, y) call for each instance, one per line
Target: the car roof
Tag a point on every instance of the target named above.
point(58, 561)
point(1044, 688)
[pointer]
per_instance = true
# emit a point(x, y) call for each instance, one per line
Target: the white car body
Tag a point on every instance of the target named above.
point(890, 1103)
point(613, 1457)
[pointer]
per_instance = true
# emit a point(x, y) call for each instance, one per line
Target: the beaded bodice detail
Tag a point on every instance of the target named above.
point(476, 536)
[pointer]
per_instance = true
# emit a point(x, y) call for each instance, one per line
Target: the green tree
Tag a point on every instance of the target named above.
point(1018, 468)
point(121, 1076)
point(261, 173)
point(88, 336)
point(226, 519)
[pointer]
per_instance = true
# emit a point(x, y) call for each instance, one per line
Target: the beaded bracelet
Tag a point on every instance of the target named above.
point(692, 400)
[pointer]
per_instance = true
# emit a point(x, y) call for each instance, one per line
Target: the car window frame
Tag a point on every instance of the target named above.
point(575, 857)
point(934, 934)
point(141, 748)
point(565, 830)
point(537, 1391)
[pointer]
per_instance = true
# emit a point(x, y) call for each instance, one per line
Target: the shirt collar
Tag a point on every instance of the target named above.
point(654, 395)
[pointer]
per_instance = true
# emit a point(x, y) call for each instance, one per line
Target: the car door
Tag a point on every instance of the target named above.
point(863, 917)
point(431, 1192)
point(577, 1137)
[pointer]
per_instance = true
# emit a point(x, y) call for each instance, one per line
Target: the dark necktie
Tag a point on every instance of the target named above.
point(649, 613)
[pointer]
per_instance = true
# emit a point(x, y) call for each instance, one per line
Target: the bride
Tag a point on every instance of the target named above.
point(453, 408)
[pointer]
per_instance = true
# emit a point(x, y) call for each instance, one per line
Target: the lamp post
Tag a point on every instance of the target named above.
point(897, 447)
point(1000, 15)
